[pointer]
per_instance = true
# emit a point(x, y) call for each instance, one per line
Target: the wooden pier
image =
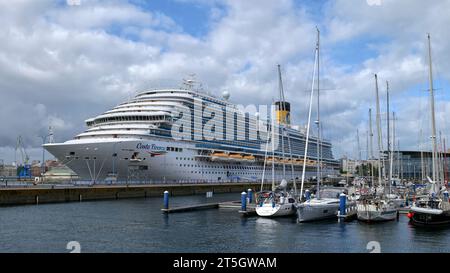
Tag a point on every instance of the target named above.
point(250, 211)
point(191, 208)
point(222, 205)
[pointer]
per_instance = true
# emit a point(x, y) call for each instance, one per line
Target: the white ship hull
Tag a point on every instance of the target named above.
point(95, 161)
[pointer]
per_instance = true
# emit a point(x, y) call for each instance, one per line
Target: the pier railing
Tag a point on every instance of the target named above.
point(80, 183)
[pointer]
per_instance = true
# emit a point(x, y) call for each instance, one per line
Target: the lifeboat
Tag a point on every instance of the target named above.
point(222, 154)
point(311, 163)
point(299, 161)
point(235, 156)
point(269, 159)
point(248, 157)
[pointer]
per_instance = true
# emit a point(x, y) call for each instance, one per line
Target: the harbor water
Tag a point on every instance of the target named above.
point(138, 225)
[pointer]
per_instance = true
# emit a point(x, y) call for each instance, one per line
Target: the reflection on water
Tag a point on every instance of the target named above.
point(138, 225)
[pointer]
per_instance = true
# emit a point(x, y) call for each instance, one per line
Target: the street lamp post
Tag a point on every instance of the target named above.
point(44, 138)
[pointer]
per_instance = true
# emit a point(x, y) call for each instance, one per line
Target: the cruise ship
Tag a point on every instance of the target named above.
point(139, 140)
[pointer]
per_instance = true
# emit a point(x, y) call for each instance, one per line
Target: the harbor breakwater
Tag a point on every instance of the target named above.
point(41, 195)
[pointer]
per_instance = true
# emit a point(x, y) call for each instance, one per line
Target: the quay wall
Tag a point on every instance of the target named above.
point(41, 195)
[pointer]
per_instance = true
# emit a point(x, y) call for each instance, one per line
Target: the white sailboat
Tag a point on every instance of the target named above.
point(324, 207)
point(377, 207)
point(278, 201)
point(434, 209)
point(326, 202)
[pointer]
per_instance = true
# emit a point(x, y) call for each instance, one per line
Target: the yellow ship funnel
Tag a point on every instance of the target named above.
point(283, 112)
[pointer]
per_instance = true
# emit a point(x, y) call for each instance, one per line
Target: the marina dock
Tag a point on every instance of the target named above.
point(250, 208)
point(191, 208)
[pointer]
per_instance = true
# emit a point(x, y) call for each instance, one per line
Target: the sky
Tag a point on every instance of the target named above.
point(64, 61)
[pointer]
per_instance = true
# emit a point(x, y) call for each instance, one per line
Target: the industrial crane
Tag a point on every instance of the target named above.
point(24, 169)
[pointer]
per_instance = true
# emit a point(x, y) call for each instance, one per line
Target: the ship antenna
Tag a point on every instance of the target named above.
point(189, 82)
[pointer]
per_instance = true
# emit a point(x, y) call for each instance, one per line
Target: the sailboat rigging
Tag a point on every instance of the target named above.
point(325, 204)
point(279, 201)
point(434, 209)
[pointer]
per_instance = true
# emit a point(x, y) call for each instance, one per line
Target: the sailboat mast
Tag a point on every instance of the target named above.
point(433, 118)
point(359, 151)
point(399, 165)
point(371, 144)
point(283, 108)
point(445, 161)
point(318, 114)
point(280, 87)
point(292, 165)
point(264, 164)
point(422, 165)
point(308, 125)
point(273, 154)
point(367, 146)
point(391, 154)
point(380, 145)
point(393, 143)
point(440, 159)
point(388, 122)
point(401, 160)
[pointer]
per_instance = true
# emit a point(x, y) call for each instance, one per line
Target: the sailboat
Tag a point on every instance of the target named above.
point(325, 204)
point(278, 201)
point(378, 207)
point(433, 209)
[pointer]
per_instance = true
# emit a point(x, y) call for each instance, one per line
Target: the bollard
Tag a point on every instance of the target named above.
point(307, 195)
point(243, 201)
point(250, 196)
point(166, 200)
point(342, 204)
point(446, 195)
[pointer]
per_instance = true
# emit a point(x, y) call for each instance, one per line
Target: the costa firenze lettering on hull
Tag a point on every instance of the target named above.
point(211, 140)
point(150, 147)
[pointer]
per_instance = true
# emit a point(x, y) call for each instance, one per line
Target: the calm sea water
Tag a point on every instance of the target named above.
point(137, 225)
